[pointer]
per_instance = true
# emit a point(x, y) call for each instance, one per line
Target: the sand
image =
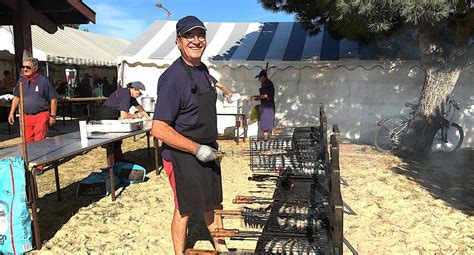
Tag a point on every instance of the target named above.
point(401, 207)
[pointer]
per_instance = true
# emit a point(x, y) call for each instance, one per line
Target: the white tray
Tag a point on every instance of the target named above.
point(114, 126)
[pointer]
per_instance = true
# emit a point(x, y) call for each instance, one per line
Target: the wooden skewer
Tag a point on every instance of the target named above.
point(191, 251)
point(221, 232)
point(228, 212)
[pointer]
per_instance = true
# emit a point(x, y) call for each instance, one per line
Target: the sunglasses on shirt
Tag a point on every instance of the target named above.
point(27, 67)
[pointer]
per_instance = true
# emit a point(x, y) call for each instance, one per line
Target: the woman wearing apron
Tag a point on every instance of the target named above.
point(185, 120)
point(117, 107)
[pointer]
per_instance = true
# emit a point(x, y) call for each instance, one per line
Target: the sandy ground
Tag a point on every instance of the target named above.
point(401, 207)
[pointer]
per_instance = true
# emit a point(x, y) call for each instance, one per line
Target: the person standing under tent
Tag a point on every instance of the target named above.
point(185, 120)
point(118, 106)
point(267, 104)
point(40, 102)
point(8, 82)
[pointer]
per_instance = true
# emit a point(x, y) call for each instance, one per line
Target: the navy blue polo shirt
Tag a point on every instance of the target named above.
point(36, 94)
point(268, 88)
point(121, 100)
point(176, 103)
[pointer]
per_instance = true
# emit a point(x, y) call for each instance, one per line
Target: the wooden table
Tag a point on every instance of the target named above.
point(240, 121)
point(88, 101)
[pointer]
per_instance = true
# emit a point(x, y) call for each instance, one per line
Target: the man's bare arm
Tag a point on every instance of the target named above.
point(11, 116)
point(54, 106)
point(163, 131)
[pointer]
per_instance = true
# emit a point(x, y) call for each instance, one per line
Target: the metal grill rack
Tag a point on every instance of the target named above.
point(293, 245)
point(299, 156)
point(302, 191)
point(304, 215)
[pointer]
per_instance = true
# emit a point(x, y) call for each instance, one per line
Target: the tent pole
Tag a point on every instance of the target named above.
point(22, 127)
point(47, 69)
point(122, 73)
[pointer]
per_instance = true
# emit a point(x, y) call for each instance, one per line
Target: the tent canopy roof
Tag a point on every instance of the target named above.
point(69, 46)
point(253, 44)
point(279, 43)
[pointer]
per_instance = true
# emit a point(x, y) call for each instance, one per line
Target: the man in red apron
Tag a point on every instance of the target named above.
point(185, 120)
point(40, 102)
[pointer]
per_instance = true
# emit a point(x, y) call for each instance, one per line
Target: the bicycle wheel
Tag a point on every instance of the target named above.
point(388, 132)
point(450, 141)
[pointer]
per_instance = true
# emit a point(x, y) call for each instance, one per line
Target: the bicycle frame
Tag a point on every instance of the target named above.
point(391, 128)
point(447, 117)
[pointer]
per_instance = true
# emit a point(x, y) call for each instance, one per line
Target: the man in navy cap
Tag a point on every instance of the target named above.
point(118, 106)
point(185, 120)
point(267, 104)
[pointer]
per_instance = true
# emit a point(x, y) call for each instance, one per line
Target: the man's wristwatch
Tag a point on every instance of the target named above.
point(53, 116)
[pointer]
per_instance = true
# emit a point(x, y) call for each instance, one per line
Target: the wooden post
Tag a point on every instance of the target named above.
point(22, 127)
point(21, 33)
point(335, 196)
point(323, 125)
point(109, 148)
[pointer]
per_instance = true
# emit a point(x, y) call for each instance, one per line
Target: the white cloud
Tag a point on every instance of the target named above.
point(114, 20)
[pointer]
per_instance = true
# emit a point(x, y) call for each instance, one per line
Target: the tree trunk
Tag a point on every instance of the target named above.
point(443, 61)
point(427, 119)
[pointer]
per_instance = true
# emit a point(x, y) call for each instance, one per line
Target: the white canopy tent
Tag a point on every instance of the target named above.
point(358, 83)
point(67, 48)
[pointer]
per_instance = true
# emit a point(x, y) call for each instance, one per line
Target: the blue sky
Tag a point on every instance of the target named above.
point(127, 19)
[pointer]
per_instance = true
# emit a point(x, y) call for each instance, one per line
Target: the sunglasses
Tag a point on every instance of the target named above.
point(190, 37)
point(27, 67)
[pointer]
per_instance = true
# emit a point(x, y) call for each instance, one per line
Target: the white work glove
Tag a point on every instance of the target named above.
point(205, 153)
point(233, 98)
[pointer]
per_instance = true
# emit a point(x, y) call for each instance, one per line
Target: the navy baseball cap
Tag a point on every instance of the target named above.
point(188, 23)
point(138, 85)
point(262, 73)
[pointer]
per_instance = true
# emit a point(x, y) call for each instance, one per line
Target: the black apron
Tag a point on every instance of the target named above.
point(198, 184)
point(107, 113)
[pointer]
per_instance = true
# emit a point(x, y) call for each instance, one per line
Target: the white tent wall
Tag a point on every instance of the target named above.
point(355, 95)
point(147, 75)
point(359, 83)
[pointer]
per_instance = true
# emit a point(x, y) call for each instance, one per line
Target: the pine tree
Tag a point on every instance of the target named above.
point(443, 28)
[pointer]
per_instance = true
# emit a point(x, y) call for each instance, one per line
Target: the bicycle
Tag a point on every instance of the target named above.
point(448, 138)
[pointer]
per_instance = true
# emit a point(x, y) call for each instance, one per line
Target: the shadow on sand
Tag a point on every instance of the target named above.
point(446, 176)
